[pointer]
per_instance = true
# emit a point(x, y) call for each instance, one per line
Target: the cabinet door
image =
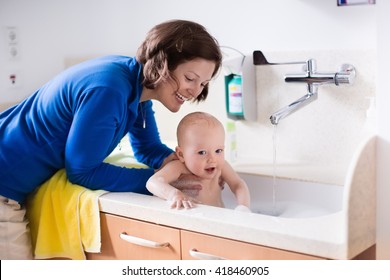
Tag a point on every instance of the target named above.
point(202, 246)
point(124, 238)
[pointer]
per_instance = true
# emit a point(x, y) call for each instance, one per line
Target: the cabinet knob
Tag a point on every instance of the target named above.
point(142, 242)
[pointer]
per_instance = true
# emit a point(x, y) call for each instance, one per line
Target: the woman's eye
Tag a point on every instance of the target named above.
point(189, 79)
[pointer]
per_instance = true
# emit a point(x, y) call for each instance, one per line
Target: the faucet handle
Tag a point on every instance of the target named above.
point(346, 75)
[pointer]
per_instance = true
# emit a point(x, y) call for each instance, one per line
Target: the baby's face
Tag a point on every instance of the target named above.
point(202, 148)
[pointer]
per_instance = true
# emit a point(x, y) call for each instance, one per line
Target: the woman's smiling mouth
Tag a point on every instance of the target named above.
point(181, 97)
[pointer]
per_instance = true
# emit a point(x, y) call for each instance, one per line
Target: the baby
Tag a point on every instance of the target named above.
point(201, 167)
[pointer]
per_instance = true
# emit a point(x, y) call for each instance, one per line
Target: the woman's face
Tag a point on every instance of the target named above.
point(191, 77)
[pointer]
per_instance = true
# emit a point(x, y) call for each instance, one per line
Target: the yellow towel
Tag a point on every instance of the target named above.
point(64, 219)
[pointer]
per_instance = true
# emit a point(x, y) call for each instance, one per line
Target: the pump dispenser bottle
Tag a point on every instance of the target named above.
point(240, 88)
point(234, 104)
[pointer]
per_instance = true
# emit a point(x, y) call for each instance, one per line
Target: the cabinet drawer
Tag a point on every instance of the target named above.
point(146, 240)
point(211, 246)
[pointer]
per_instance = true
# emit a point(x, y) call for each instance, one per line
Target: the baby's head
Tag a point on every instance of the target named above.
point(199, 122)
point(201, 143)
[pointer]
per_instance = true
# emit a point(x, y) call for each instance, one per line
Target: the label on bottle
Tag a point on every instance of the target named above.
point(235, 95)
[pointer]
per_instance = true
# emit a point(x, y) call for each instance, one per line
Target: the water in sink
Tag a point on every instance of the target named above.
point(288, 198)
point(290, 209)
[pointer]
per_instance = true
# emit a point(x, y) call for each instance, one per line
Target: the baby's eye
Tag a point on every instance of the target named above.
point(219, 151)
point(202, 153)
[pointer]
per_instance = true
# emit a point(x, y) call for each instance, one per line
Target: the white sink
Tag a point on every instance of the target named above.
point(288, 198)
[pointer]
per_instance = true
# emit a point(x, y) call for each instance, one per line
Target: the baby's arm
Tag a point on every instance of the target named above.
point(236, 184)
point(159, 185)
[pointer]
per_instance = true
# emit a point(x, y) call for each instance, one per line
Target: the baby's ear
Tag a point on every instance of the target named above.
point(179, 154)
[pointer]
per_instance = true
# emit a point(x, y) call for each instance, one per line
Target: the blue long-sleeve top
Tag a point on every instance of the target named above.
point(74, 122)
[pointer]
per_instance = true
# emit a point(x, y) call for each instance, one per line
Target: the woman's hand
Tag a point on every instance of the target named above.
point(188, 184)
point(168, 159)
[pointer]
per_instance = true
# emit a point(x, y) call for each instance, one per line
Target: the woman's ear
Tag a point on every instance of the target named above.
point(179, 154)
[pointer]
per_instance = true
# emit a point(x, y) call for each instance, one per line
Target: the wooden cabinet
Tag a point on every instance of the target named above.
point(201, 246)
point(124, 238)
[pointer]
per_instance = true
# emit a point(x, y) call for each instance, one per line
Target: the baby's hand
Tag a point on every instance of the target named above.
point(242, 208)
point(179, 200)
point(186, 204)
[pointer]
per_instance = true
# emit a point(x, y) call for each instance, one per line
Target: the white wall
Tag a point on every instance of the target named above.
point(51, 31)
point(383, 148)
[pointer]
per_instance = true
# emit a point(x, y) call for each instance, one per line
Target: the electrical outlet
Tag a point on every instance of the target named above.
point(12, 39)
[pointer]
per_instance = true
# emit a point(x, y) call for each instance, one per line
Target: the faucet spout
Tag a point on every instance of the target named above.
point(295, 106)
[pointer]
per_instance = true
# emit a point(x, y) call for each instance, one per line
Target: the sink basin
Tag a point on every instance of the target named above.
point(288, 198)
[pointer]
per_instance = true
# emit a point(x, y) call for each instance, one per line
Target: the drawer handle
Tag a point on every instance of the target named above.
point(204, 256)
point(142, 242)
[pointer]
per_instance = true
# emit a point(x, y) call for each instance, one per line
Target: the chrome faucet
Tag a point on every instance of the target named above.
point(313, 80)
point(296, 105)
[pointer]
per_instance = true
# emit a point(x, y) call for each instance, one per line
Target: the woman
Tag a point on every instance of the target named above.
point(78, 118)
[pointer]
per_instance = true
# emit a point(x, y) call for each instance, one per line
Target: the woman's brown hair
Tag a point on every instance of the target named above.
point(174, 42)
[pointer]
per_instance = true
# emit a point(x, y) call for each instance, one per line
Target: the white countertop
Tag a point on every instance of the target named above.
point(313, 236)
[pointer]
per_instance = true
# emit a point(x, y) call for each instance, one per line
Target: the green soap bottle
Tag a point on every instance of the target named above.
point(234, 102)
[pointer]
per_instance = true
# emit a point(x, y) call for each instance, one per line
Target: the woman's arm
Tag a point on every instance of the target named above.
point(145, 141)
point(92, 137)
